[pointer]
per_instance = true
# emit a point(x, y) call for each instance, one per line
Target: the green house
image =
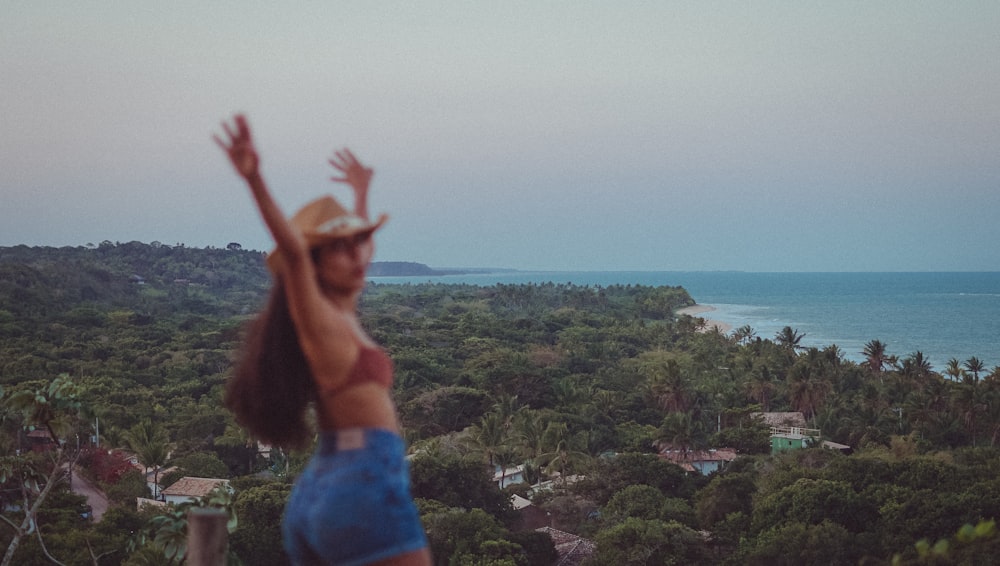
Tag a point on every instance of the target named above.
point(792, 438)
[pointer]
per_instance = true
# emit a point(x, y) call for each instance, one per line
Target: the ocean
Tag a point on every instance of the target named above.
point(943, 315)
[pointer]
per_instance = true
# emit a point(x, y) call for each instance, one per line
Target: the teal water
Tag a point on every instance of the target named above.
point(943, 315)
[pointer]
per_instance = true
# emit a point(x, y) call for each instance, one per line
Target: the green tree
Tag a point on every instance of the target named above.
point(812, 501)
point(648, 542)
point(876, 357)
point(561, 453)
point(808, 386)
point(257, 539)
point(460, 536)
point(454, 482)
point(724, 495)
point(165, 535)
point(202, 465)
point(150, 444)
point(51, 408)
point(646, 502)
point(789, 339)
point(796, 543)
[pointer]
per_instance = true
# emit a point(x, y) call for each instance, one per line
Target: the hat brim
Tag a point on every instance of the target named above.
point(315, 239)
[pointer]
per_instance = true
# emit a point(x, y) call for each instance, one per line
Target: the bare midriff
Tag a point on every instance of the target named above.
point(366, 405)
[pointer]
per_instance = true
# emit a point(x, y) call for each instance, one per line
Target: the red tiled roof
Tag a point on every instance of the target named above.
point(193, 487)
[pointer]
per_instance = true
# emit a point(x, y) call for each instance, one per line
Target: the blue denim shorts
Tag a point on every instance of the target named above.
point(352, 503)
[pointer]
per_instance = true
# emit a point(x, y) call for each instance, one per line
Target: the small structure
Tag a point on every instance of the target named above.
point(842, 448)
point(152, 480)
point(39, 440)
point(188, 488)
point(529, 517)
point(572, 550)
point(556, 481)
point(508, 476)
point(792, 438)
point(796, 419)
point(142, 502)
point(702, 461)
point(518, 502)
point(789, 432)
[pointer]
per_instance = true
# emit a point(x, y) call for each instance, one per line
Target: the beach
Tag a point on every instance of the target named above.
point(697, 310)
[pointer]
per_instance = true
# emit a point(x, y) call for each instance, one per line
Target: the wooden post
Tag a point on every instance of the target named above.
point(207, 537)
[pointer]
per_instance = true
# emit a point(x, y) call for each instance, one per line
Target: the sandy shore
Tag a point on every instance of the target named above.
point(695, 310)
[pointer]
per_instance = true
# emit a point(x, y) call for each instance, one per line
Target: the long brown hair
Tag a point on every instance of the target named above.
point(272, 386)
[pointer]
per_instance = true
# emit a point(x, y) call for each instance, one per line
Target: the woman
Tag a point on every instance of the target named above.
point(352, 504)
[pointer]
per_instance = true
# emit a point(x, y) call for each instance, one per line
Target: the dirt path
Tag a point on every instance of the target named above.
point(95, 498)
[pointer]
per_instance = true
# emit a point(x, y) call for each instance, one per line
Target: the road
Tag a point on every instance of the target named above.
point(95, 498)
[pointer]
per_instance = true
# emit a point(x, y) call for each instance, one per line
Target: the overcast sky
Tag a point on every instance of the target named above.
point(577, 135)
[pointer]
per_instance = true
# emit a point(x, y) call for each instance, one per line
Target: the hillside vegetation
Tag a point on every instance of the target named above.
point(566, 381)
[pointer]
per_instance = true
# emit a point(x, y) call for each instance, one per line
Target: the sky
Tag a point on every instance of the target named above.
point(562, 135)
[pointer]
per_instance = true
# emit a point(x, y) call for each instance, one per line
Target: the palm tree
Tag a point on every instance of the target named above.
point(807, 386)
point(761, 386)
point(682, 432)
point(994, 375)
point(953, 369)
point(570, 393)
point(607, 403)
point(665, 381)
point(149, 443)
point(744, 334)
point(923, 404)
point(529, 442)
point(875, 357)
point(916, 366)
point(969, 401)
point(560, 453)
point(975, 366)
point(789, 338)
point(669, 388)
point(488, 438)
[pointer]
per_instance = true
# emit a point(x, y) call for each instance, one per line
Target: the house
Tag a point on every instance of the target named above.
point(557, 480)
point(188, 488)
point(789, 432)
point(508, 476)
point(702, 461)
point(792, 438)
point(153, 476)
point(39, 440)
point(528, 516)
point(572, 550)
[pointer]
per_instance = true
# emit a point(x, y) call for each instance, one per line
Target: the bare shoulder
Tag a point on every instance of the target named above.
point(327, 339)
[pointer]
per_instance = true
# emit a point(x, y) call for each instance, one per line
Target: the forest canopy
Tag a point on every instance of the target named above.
point(552, 380)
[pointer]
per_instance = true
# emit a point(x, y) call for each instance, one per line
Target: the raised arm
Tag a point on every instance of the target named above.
point(238, 145)
point(324, 333)
point(354, 174)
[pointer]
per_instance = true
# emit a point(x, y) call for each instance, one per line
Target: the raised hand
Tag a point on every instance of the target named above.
point(238, 145)
point(356, 175)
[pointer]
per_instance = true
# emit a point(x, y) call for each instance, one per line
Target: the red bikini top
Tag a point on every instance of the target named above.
point(372, 365)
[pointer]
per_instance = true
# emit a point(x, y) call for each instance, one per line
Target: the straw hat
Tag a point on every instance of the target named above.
point(323, 220)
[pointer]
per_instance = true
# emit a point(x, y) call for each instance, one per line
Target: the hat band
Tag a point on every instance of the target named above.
point(341, 222)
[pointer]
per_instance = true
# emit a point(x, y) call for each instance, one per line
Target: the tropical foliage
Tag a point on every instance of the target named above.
point(571, 387)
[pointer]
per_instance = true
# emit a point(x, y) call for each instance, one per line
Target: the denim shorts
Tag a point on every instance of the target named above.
point(352, 503)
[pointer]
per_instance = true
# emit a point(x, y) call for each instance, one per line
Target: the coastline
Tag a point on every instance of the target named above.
point(710, 325)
